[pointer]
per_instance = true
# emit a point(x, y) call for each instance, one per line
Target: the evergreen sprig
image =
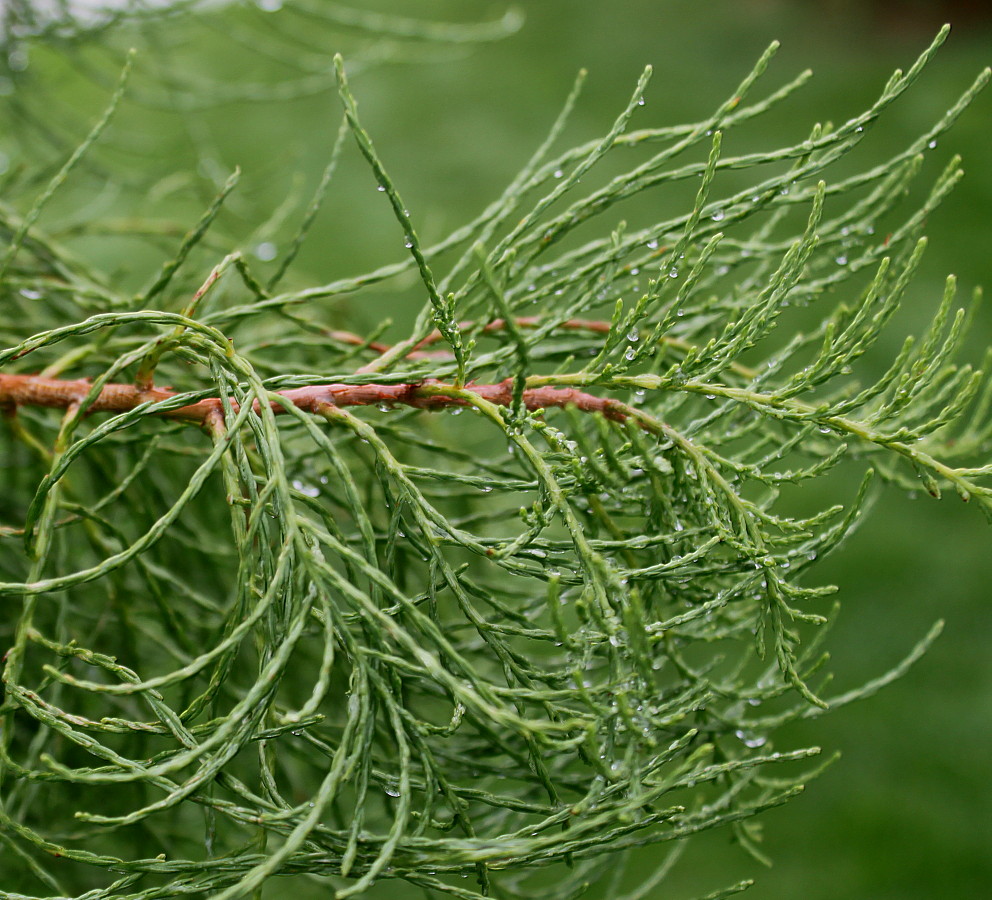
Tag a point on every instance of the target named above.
point(524, 585)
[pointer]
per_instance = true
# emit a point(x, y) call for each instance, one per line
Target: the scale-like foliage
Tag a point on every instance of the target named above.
point(526, 585)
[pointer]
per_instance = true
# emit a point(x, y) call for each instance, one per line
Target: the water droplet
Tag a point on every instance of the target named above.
point(629, 353)
point(718, 215)
point(381, 188)
point(750, 740)
point(407, 241)
point(633, 336)
point(640, 101)
point(841, 260)
point(673, 272)
point(859, 129)
point(932, 144)
point(30, 294)
point(652, 245)
point(17, 59)
point(265, 251)
point(308, 490)
point(269, 5)
point(558, 173)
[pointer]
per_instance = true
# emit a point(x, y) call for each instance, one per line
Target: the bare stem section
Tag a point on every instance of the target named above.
point(35, 390)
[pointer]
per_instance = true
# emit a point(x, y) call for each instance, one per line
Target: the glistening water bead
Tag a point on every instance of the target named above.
point(265, 251)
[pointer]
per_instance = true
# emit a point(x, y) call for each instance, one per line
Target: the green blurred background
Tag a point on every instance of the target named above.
point(907, 811)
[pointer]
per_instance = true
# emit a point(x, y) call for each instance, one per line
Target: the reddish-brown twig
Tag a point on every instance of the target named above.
point(35, 390)
point(418, 351)
point(596, 326)
point(521, 322)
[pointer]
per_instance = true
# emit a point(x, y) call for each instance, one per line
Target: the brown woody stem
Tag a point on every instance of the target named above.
point(35, 390)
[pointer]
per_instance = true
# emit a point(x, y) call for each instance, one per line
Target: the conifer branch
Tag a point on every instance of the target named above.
point(372, 645)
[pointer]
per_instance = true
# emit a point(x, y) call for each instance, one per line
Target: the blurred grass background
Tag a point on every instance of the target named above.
point(907, 811)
